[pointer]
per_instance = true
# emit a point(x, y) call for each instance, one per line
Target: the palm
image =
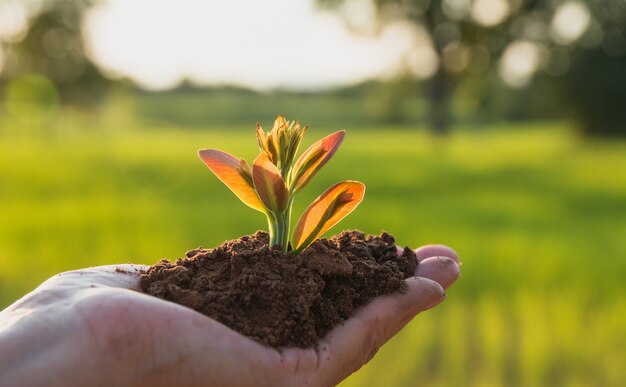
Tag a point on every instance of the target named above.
point(145, 340)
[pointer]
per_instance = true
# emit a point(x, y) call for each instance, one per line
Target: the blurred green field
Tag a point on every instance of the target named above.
point(538, 217)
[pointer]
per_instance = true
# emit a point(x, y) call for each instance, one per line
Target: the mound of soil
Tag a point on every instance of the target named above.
point(283, 300)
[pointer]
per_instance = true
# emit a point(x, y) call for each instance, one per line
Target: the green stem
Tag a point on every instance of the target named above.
point(288, 221)
point(279, 230)
point(279, 227)
point(282, 232)
point(272, 229)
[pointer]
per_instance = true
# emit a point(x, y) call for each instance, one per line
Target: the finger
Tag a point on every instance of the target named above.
point(346, 348)
point(436, 251)
point(443, 270)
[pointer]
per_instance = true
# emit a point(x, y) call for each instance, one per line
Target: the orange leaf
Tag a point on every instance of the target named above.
point(314, 158)
point(326, 211)
point(269, 184)
point(231, 171)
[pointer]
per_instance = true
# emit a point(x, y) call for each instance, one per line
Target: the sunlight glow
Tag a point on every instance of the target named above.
point(422, 60)
point(275, 43)
point(490, 12)
point(519, 62)
point(456, 9)
point(361, 15)
point(570, 22)
point(13, 21)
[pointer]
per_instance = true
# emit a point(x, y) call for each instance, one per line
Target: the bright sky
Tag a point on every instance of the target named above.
point(261, 44)
point(284, 43)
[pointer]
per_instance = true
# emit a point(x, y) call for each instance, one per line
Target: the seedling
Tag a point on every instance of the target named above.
point(270, 185)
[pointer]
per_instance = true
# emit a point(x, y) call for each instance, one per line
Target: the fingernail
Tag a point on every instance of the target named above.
point(443, 270)
point(430, 251)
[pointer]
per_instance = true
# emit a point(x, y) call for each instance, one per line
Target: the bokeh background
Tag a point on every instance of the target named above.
point(494, 126)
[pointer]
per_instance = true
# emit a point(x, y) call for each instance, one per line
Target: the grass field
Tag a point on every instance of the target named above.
point(537, 215)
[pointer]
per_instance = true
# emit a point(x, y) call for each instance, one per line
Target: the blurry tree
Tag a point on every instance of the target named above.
point(52, 46)
point(452, 38)
point(594, 88)
point(460, 39)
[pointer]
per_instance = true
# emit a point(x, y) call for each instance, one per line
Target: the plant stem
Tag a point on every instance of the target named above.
point(285, 240)
point(279, 227)
point(279, 230)
point(282, 232)
point(272, 229)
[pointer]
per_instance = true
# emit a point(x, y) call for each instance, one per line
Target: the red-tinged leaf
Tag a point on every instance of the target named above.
point(269, 184)
point(326, 211)
point(314, 158)
point(234, 174)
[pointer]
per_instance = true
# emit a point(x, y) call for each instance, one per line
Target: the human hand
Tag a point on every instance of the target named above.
point(95, 327)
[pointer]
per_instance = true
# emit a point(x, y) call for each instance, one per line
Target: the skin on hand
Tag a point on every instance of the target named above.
point(94, 327)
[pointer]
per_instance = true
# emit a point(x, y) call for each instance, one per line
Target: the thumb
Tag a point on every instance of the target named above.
point(346, 348)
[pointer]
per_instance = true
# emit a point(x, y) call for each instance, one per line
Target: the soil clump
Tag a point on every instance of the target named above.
point(283, 300)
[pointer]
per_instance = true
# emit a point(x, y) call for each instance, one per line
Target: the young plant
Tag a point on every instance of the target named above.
point(271, 183)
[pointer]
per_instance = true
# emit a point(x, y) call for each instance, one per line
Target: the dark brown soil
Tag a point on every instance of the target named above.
point(283, 300)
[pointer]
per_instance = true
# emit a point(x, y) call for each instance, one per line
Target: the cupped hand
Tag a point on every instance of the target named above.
point(95, 327)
